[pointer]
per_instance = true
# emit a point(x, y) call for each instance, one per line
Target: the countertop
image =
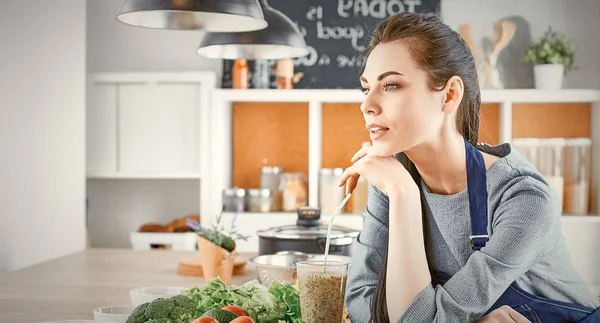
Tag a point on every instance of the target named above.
point(71, 287)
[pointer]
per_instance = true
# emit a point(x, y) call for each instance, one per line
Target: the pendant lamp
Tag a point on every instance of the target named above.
point(281, 39)
point(208, 15)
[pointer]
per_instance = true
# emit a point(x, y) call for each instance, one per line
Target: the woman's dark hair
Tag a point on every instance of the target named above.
point(441, 53)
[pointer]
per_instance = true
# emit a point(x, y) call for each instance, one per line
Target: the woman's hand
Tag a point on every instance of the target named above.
point(385, 173)
point(504, 314)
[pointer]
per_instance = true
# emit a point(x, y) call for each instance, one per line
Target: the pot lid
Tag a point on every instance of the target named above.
point(307, 233)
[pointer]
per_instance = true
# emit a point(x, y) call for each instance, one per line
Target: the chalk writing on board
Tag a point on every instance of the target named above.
point(337, 33)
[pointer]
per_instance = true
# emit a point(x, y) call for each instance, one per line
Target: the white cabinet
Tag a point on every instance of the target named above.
point(101, 124)
point(147, 124)
point(158, 128)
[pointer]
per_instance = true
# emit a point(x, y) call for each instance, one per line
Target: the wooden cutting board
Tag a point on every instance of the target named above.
point(193, 267)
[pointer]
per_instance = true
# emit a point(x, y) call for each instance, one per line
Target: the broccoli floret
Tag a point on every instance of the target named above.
point(160, 309)
point(138, 315)
point(160, 321)
point(184, 309)
point(177, 309)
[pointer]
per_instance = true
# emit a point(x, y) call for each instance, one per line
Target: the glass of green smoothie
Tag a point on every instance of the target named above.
point(322, 290)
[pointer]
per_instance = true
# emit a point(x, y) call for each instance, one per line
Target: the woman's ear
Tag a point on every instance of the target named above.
point(453, 93)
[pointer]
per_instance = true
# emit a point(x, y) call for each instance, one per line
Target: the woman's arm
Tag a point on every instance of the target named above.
point(367, 257)
point(407, 269)
point(525, 222)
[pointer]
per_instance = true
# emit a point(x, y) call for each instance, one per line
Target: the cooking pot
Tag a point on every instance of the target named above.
point(309, 235)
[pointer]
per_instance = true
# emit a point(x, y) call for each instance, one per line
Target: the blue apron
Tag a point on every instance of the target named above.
point(534, 308)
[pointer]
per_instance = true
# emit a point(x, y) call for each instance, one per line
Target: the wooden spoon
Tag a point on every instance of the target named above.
point(465, 32)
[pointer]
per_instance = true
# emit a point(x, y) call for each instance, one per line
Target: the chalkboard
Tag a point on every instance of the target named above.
point(337, 32)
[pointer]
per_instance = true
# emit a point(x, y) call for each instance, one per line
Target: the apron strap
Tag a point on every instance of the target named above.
point(476, 187)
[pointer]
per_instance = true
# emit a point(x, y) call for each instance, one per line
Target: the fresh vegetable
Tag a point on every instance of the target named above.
point(243, 319)
point(205, 319)
point(235, 309)
point(278, 303)
point(177, 309)
point(222, 316)
point(285, 293)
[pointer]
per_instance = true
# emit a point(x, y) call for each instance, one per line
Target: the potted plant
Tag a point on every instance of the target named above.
point(552, 57)
point(217, 248)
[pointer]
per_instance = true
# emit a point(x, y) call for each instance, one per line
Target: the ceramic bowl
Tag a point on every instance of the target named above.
point(117, 314)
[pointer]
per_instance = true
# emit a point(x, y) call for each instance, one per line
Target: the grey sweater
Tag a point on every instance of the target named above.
point(526, 245)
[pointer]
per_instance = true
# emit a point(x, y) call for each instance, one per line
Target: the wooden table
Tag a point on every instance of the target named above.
point(72, 287)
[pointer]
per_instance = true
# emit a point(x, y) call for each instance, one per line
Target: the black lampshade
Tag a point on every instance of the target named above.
point(281, 39)
point(208, 15)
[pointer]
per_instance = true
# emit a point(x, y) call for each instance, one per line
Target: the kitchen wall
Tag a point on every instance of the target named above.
point(113, 46)
point(577, 19)
point(42, 130)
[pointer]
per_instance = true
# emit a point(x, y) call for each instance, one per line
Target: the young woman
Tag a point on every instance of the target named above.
point(454, 230)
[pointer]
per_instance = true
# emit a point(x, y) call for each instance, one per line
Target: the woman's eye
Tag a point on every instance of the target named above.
point(364, 90)
point(390, 87)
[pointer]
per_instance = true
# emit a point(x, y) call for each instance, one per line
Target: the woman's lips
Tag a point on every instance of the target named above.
point(377, 131)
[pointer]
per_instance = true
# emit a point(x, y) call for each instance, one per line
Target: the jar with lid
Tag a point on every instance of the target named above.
point(258, 200)
point(293, 187)
point(551, 163)
point(234, 199)
point(270, 178)
point(578, 161)
point(330, 194)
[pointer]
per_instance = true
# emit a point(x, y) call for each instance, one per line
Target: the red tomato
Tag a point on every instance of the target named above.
point(205, 319)
point(235, 309)
point(243, 319)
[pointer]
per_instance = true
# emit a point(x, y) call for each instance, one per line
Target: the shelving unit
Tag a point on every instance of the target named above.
point(147, 134)
point(221, 125)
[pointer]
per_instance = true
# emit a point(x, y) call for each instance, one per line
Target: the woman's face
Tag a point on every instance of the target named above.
point(400, 110)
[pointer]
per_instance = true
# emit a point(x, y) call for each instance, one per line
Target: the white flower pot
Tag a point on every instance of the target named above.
point(548, 76)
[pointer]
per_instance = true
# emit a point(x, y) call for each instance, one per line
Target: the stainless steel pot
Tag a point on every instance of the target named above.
point(308, 236)
point(282, 265)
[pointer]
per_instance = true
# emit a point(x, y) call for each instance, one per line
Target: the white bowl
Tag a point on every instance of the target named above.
point(75, 321)
point(148, 294)
point(118, 314)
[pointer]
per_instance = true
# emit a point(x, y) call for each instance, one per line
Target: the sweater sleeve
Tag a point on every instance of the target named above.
point(523, 224)
point(367, 257)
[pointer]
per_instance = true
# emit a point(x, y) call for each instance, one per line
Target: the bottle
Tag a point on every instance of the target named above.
point(240, 74)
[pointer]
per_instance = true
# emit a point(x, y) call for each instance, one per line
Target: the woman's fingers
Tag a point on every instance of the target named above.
point(351, 184)
point(365, 150)
point(358, 155)
point(518, 317)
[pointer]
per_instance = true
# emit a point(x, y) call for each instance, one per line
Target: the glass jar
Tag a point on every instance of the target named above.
point(293, 187)
point(550, 163)
point(259, 200)
point(234, 199)
point(270, 179)
point(578, 161)
point(330, 194)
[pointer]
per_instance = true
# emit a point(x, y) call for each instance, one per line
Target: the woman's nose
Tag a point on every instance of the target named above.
point(370, 106)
